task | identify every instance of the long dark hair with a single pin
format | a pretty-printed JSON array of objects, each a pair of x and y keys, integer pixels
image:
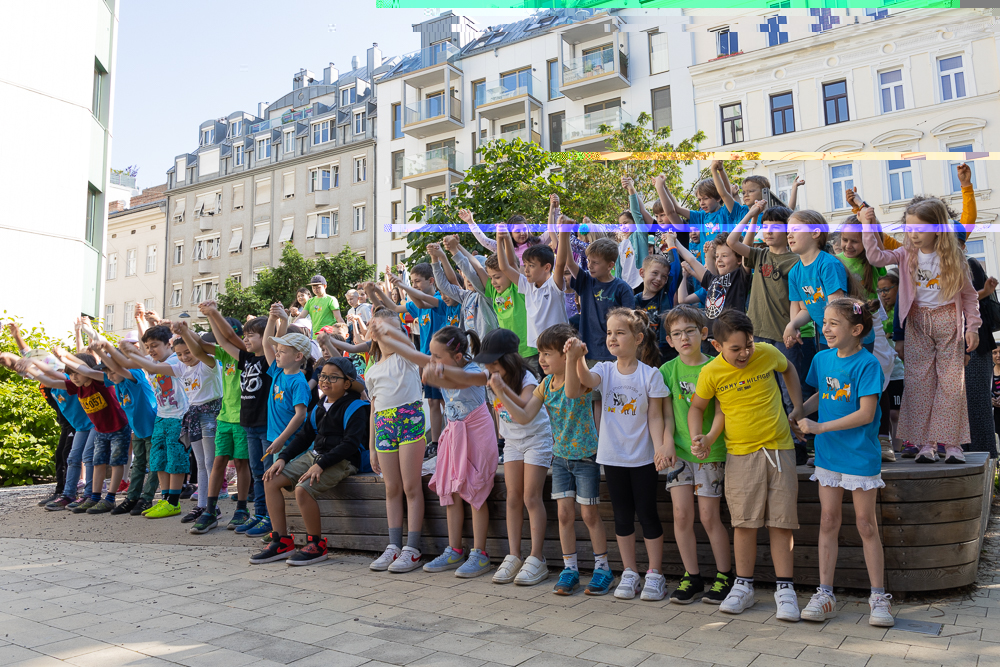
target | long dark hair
[
  {"x": 512, "y": 366},
  {"x": 458, "y": 341}
]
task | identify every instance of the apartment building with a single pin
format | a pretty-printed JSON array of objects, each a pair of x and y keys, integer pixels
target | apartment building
[
  {"x": 301, "y": 169},
  {"x": 553, "y": 78},
  {"x": 903, "y": 80}
]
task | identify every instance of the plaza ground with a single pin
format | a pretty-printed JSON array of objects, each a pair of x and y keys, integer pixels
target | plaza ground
[{"x": 107, "y": 591}]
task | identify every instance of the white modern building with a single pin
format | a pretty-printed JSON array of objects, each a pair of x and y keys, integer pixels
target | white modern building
[{"x": 57, "y": 75}]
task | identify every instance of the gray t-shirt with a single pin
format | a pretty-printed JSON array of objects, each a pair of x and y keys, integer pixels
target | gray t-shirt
[
  {"x": 537, "y": 430},
  {"x": 458, "y": 403},
  {"x": 477, "y": 311}
]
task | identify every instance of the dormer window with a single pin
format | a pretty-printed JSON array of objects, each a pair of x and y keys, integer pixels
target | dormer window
[
  {"x": 348, "y": 96},
  {"x": 208, "y": 137},
  {"x": 235, "y": 128}
]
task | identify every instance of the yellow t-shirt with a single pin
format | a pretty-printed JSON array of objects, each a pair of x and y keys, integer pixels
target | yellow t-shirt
[{"x": 750, "y": 399}]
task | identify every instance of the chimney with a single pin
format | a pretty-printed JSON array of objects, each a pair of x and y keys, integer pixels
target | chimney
[
  {"x": 298, "y": 80},
  {"x": 354, "y": 62},
  {"x": 330, "y": 75},
  {"x": 262, "y": 109},
  {"x": 374, "y": 58}
]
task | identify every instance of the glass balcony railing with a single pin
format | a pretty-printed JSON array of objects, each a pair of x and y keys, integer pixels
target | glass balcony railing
[
  {"x": 523, "y": 134},
  {"x": 284, "y": 118},
  {"x": 589, "y": 124},
  {"x": 593, "y": 64},
  {"x": 431, "y": 108},
  {"x": 438, "y": 159},
  {"x": 513, "y": 85},
  {"x": 122, "y": 180},
  {"x": 436, "y": 54}
]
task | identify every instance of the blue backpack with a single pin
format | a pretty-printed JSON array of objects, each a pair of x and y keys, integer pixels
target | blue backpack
[{"x": 366, "y": 464}]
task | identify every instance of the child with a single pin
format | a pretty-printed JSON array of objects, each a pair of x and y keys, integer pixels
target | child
[
  {"x": 935, "y": 286},
  {"x": 689, "y": 475},
  {"x": 631, "y": 431},
  {"x": 726, "y": 285},
  {"x": 467, "y": 459},
  {"x": 818, "y": 277},
  {"x": 477, "y": 312},
  {"x": 848, "y": 381},
  {"x": 326, "y": 451},
  {"x": 634, "y": 248},
  {"x": 576, "y": 476},
  {"x": 527, "y": 452},
  {"x": 83, "y": 444},
  {"x": 714, "y": 217},
  {"x": 508, "y": 302},
  {"x": 761, "y": 484},
  {"x": 660, "y": 279},
  {"x": 396, "y": 447},
  {"x": 520, "y": 236},
  {"x": 322, "y": 309}
]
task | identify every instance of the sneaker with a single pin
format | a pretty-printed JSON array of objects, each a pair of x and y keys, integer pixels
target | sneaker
[
  {"x": 888, "y": 456},
  {"x": 909, "y": 450},
  {"x": 431, "y": 451},
  {"x": 140, "y": 507},
  {"x": 48, "y": 499},
  {"x": 194, "y": 496},
  {"x": 388, "y": 557},
  {"x": 125, "y": 506},
  {"x": 601, "y": 582},
  {"x": 60, "y": 503},
  {"x": 508, "y": 569},
  {"x": 449, "y": 560},
  {"x": 260, "y": 529},
  {"x": 192, "y": 515},
  {"x": 690, "y": 588},
  {"x": 224, "y": 494},
  {"x": 76, "y": 503},
  {"x": 248, "y": 524},
  {"x": 927, "y": 454},
  {"x": 240, "y": 517},
  {"x": 534, "y": 571},
  {"x": 187, "y": 490},
  {"x": 569, "y": 581},
  {"x": 954, "y": 454},
  {"x": 409, "y": 560},
  {"x": 278, "y": 549},
  {"x": 163, "y": 510},
  {"x": 205, "y": 522},
  {"x": 940, "y": 449},
  {"x": 719, "y": 590},
  {"x": 478, "y": 563},
  {"x": 881, "y": 610},
  {"x": 821, "y": 607},
  {"x": 740, "y": 599},
  {"x": 161, "y": 501},
  {"x": 123, "y": 487},
  {"x": 84, "y": 506},
  {"x": 313, "y": 552},
  {"x": 630, "y": 584},
  {"x": 654, "y": 587},
  {"x": 787, "y": 603},
  {"x": 101, "y": 507}
]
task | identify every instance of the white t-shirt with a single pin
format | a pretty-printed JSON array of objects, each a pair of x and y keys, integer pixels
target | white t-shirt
[
  {"x": 392, "y": 382},
  {"x": 362, "y": 310},
  {"x": 201, "y": 383},
  {"x": 928, "y": 277},
  {"x": 538, "y": 429},
  {"x": 624, "y": 438},
  {"x": 545, "y": 305},
  {"x": 303, "y": 321},
  {"x": 630, "y": 273},
  {"x": 171, "y": 399}
]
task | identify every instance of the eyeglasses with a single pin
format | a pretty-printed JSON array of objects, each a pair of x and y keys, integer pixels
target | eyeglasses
[
  {"x": 885, "y": 290},
  {"x": 331, "y": 378},
  {"x": 687, "y": 333}
]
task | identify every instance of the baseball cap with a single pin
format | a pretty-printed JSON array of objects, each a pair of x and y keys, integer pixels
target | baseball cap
[
  {"x": 296, "y": 340},
  {"x": 345, "y": 366},
  {"x": 496, "y": 344},
  {"x": 132, "y": 336},
  {"x": 235, "y": 324},
  {"x": 318, "y": 280}
]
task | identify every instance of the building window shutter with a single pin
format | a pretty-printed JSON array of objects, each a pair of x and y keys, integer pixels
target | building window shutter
[
  {"x": 237, "y": 197},
  {"x": 288, "y": 185},
  {"x": 236, "y": 243},
  {"x": 179, "y": 209},
  {"x": 261, "y": 234},
  {"x": 263, "y": 194},
  {"x": 311, "y": 227},
  {"x": 287, "y": 227}
]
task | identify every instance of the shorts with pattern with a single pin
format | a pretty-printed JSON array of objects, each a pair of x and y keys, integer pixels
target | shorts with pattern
[
  {"x": 847, "y": 482},
  {"x": 231, "y": 441},
  {"x": 112, "y": 448},
  {"x": 168, "y": 453},
  {"x": 708, "y": 479},
  {"x": 399, "y": 426},
  {"x": 200, "y": 418},
  {"x": 329, "y": 478}
]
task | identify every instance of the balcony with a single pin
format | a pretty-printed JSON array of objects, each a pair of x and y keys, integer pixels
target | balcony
[
  {"x": 123, "y": 180},
  {"x": 323, "y": 197},
  {"x": 433, "y": 168},
  {"x": 595, "y": 74},
  {"x": 583, "y": 133},
  {"x": 287, "y": 117},
  {"x": 205, "y": 223},
  {"x": 523, "y": 134},
  {"x": 204, "y": 266},
  {"x": 426, "y": 67},
  {"x": 513, "y": 95},
  {"x": 432, "y": 116},
  {"x": 324, "y": 245}
]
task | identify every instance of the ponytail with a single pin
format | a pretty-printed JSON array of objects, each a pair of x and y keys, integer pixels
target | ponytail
[{"x": 458, "y": 341}]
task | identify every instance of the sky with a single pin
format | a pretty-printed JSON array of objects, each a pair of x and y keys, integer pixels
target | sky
[{"x": 185, "y": 62}]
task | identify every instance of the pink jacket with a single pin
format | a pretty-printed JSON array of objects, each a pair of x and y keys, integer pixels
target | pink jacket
[{"x": 966, "y": 301}]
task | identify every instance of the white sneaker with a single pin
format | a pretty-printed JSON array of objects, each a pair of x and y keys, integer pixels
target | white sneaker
[
  {"x": 533, "y": 572},
  {"x": 821, "y": 607},
  {"x": 655, "y": 587},
  {"x": 508, "y": 570},
  {"x": 630, "y": 584},
  {"x": 787, "y": 603},
  {"x": 881, "y": 606},
  {"x": 408, "y": 560},
  {"x": 740, "y": 599},
  {"x": 382, "y": 563}
]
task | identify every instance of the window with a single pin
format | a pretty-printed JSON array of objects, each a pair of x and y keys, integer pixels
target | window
[
  {"x": 235, "y": 128},
  {"x": 781, "y": 4},
  {"x": 835, "y": 102},
  {"x": 842, "y": 178},
  {"x": 348, "y": 96},
  {"x": 256, "y": 275},
  {"x": 478, "y": 93},
  {"x": 395, "y": 210},
  {"x": 434, "y": 105},
  {"x": 335, "y": 176},
  {"x": 148, "y": 304},
  {"x": 198, "y": 293},
  {"x": 287, "y": 230},
  {"x": 236, "y": 277},
  {"x": 289, "y": 147},
  {"x": 334, "y": 223},
  {"x": 150, "y": 259},
  {"x": 732, "y": 123},
  {"x": 397, "y": 169},
  {"x": 876, "y": 13},
  {"x": 263, "y": 149},
  {"x": 976, "y": 249},
  {"x": 782, "y": 114},
  {"x": 109, "y": 317},
  {"x": 891, "y": 89},
  {"x": 359, "y": 218},
  {"x": 178, "y": 253},
  {"x": 261, "y": 235},
  {"x": 553, "y": 71},
  {"x": 658, "y": 61},
  {"x": 360, "y": 169},
  {"x": 323, "y": 132},
  {"x": 359, "y": 122},
  {"x": 727, "y": 42},
  {"x": 662, "y": 116},
  {"x": 952, "y": 78},
  {"x": 327, "y": 225},
  {"x": 238, "y": 155},
  {"x": 398, "y": 258},
  {"x": 112, "y": 266},
  {"x": 511, "y": 82},
  {"x": 236, "y": 242},
  {"x": 556, "y": 121},
  {"x": 783, "y": 187},
  {"x": 237, "y": 197},
  {"x": 206, "y": 248},
  {"x": 263, "y": 192},
  {"x": 288, "y": 185},
  {"x": 900, "y": 180},
  {"x": 96, "y": 106},
  {"x": 180, "y": 170},
  {"x": 95, "y": 216},
  {"x": 772, "y": 27},
  {"x": 397, "y": 121},
  {"x": 176, "y": 295},
  {"x": 956, "y": 186},
  {"x": 128, "y": 312},
  {"x": 130, "y": 263},
  {"x": 208, "y": 137}
]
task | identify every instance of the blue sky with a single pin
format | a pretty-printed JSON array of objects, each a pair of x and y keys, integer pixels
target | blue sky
[{"x": 185, "y": 62}]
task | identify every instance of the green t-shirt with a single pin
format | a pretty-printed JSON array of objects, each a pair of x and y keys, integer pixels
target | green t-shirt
[
  {"x": 231, "y": 391},
  {"x": 321, "y": 311},
  {"x": 682, "y": 380},
  {"x": 512, "y": 314},
  {"x": 857, "y": 268}
]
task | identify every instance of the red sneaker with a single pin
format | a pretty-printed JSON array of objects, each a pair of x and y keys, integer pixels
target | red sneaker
[
  {"x": 313, "y": 552},
  {"x": 123, "y": 487}
]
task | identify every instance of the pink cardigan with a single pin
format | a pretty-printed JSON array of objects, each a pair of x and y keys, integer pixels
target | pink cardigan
[{"x": 967, "y": 300}]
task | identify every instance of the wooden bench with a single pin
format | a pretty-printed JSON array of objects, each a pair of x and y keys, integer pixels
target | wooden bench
[{"x": 932, "y": 516}]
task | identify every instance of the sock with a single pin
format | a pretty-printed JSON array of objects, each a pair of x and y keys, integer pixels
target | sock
[
  {"x": 569, "y": 562},
  {"x": 601, "y": 561},
  {"x": 174, "y": 497},
  {"x": 694, "y": 575},
  {"x": 878, "y": 591},
  {"x": 784, "y": 582},
  {"x": 826, "y": 589},
  {"x": 241, "y": 505},
  {"x": 212, "y": 503},
  {"x": 165, "y": 492},
  {"x": 396, "y": 537},
  {"x": 458, "y": 551},
  {"x": 727, "y": 575},
  {"x": 746, "y": 581},
  {"x": 413, "y": 539},
  {"x": 95, "y": 496},
  {"x": 110, "y": 498},
  {"x": 316, "y": 538},
  {"x": 648, "y": 572}
]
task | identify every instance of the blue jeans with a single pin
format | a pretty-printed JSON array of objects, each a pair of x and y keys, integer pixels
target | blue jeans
[
  {"x": 799, "y": 356},
  {"x": 112, "y": 448},
  {"x": 81, "y": 453},
  {"x": 257, "y": 444}
]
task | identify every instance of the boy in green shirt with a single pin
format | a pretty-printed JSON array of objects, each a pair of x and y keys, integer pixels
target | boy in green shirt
[
  {"x": 690, "y": 474},
  {"x": 323, "y": 309}
]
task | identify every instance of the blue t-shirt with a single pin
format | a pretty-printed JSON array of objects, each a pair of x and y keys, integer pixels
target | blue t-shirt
[
  {"x": 811, "y": 285},
  {"x": 720, "y": 220},
  {"x": 841, "y": 382},
  {"x": 135, "y": 395},
  {"x": 429, "y": 320},
  {"x": 287, "y": 391},
  {"x": 71, "y": 409},
  {"x": 453, "y": 316},
  {"x": 596, "y": 299}
]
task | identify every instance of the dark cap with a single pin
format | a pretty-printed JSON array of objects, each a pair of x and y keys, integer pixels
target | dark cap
[
  {"x": 496, "y": 344},
  {"x": 235, "y": 324},
  {"x": 345, "y": 366},
  {"x": 318, "y": 280}
]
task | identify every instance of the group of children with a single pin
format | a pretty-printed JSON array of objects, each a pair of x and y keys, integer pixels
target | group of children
[{"x": 581, "y": 355}]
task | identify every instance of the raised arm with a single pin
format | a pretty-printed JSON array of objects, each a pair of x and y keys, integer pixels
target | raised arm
[
  {"x": 721, "y": 181},
  {"x": 272, "y": 323},
  {"x": 740, "y": 247},
  {"x": 876, "y": 255},
  {"x": 466, "y": 216},
  {"x": 969, "y": 210},
  {"x": 505, "y": 246},
  {"x": 107, "y": 353},
  {"x": 193, "y": 343},
  {"x": 794, "y": 197},
  {"x": 224, "y": 333},
  {"x": 578, "y": 375},
  {"x": 376, "y": 295},
  {"x": 145, "y": 363},
  {"x": 76, "y": 365},
  {"x": 392, "y": 339},
  {"x": 564, "y": 257},
  {"x": 441, "y": 277},
  {"x": 472, "y": 270},
  {"x": 421, "y": 299},
  {"x": 697, "y": 268},
  {"x": 521, "y": 415},
  {"x": 15, "y": 332}
]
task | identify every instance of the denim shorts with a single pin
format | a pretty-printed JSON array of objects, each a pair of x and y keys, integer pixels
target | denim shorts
[
  {"x": 579, "y": 478},
  {"x": 112, "y": 447}
]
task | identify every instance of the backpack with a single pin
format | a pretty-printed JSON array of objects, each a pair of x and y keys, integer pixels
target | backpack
[{"x": 366, "y": 464}]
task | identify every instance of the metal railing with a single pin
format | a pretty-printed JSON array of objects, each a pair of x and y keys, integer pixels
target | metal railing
[{"x": 523, "y": 134}]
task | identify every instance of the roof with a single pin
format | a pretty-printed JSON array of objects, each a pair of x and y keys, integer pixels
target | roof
[
  {"x": 528, "y": 28},
  {"x": 160, "y": 203}
]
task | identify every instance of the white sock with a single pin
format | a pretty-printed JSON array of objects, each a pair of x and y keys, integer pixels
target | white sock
[
  {"x": 569, "y": 562},
  {"x": 601, "y": 561}
]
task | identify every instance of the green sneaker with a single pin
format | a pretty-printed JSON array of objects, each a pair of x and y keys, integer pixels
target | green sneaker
[
  {"x": 206, "y": 522},
  {"x": 163, "y": 510},
  {"x": 101, "y": 507},
  {"x": 161, "y": 501},
  {"x": 240, "y": 517},
  {"x": 84, "y": 506}
]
